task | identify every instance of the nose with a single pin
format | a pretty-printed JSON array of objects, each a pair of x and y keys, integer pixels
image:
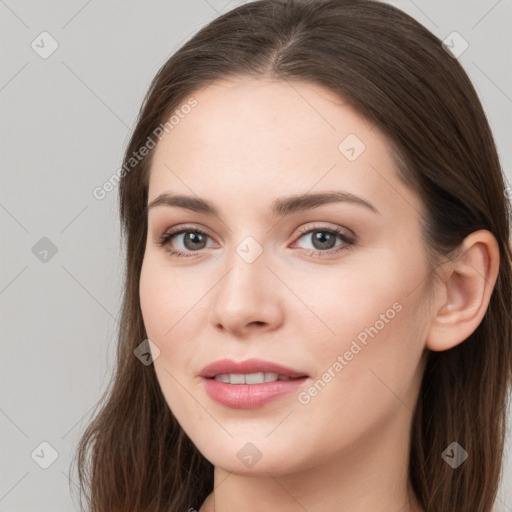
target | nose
[{"x": 248, "y": 298}]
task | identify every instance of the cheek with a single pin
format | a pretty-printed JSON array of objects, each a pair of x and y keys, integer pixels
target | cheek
[
  {"x": 387, "y": 279},
  {"x": 341, "y": 303},
  {"x": 366, "y": 372},
  {"x": 174, "y": 313},
  {"x": 154, "y": 297},
  {"x": 164, "y": 304},
  {"x": 371, "y": 318},
  {"x": 165, "y": 298}
]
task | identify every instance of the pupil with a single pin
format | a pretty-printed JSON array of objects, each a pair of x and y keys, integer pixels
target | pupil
[
  {"x": 193, "y": 237},
  {"x": 323, "y": 238}
]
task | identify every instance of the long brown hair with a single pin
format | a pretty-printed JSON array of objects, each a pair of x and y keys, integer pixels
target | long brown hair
[{"x": 134, "y": 455}]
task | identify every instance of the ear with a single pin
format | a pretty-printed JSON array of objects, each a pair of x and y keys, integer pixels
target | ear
[{"x": 465, "y": 292}]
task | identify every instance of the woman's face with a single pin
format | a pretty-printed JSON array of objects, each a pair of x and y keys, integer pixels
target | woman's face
[{"x": 347, "y": 310}]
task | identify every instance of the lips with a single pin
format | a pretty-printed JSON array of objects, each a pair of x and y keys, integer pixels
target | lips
[
  {"x": 239, "y": 393},
  {"x": 248, "y": 366}
]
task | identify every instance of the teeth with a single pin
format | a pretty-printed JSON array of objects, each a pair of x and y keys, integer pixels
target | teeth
[{"x": 249, "y": 378}]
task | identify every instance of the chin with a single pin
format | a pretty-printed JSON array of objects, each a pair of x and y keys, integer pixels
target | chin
[{"x": 244, "y": 457}]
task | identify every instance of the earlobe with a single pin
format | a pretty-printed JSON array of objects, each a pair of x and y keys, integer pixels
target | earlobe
[{"x": 466, "y": 291}]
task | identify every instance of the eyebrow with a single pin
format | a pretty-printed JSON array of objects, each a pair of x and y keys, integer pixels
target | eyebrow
[{"x": 281, "y": 206}]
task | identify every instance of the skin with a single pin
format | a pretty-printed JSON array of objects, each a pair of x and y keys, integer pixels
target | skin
[{"x": 246, "y": 143}]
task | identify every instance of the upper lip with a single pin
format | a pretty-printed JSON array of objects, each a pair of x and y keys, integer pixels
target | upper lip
[{"x": 248, "y": 366}]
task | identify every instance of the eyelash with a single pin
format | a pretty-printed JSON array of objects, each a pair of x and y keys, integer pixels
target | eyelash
[{"x": 348, "y": 242}]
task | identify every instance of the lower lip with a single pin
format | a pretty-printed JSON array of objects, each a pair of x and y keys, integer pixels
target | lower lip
[{"x": 248, "y": 396}]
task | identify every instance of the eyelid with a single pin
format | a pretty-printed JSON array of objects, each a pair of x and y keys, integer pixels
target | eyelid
[
  {"x": 325, "y": 225},
  {"x": 187, "y": 227},
  {"x": 295, "y": 233}
]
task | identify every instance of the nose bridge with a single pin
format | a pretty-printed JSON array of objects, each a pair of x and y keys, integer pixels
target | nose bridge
[
  {"x": 247, "y": 275},
  {"x": 247, "y": 293}
]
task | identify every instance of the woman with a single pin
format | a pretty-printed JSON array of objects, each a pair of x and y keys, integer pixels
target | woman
[{"x": 340, "y": 336}]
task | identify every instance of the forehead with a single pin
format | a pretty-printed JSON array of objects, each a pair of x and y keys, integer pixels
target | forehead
[
  {"x": 286, "y": 116},
  {"x": 262, "y": 138}
]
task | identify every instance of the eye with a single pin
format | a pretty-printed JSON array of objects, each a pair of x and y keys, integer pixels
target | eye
[
  {"x": 322, "y": 237},
  {"x": 194, "y": 240}
]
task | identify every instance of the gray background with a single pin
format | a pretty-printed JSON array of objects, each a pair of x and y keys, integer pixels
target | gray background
[{"x": 64, "y": 124}]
